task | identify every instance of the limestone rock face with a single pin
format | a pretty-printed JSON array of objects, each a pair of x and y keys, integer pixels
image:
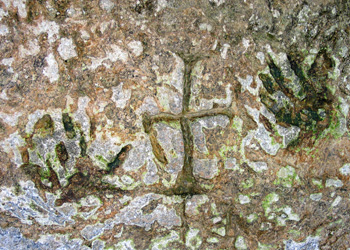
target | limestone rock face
[{"x": 153, "y": 124}]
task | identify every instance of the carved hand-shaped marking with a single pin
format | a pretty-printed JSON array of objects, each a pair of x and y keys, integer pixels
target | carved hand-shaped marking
[
  {"x": 306, "y": 101},
  {"x": 88, "y": 178}
]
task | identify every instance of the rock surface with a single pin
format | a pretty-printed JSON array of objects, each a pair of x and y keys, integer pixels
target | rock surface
[{"x": 153, "y": 124}]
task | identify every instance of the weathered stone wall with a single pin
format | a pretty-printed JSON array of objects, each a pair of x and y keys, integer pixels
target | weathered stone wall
[{"x": 157, "y": 124}]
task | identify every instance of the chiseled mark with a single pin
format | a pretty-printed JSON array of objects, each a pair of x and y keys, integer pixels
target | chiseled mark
[
  {"x": 133, "y": 214},
  {"x": 121, "y": 96},
  {"x": 51, "y": 70},
  {"x": 67, "y": 49},
  {"x": 113, "y": 55}
]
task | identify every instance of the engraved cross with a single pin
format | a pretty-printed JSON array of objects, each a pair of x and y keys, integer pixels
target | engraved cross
[{"x": 185, "y": 182}]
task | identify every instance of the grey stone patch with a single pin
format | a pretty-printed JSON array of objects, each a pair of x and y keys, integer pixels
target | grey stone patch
[
  {"x": 106, "y": 5},
  {"x": 345, "y": 170},
  {"x": 336, "y": 201},
  {"x": 170, "y": 100},
  {"x": 171, "y": 140},
  {"x": 311, "y": 243},
  {"x": 30, "y": 205},
  {"x": 138, "y": 155},
  {"x": 92, "y": 231},
  {"x": 10, "y": 119},
  {"x": 258, "y": 166},
  {"x": 316, "y": 197},
  {"x": 8, "y": 62},
  {"x": 11, "y": 238},
  {"x": 11, "y": 144},
  {"x": 245, "y": 83},
  {"x": 288, "y": 134},
  {"x": 92, "y": 202},
  {"x": 98, "y": 245},
  {"x": 50, "y": 27},
  {"x": 151, "y": 176},
  {"x": 113, "y": 54},
  {"x": 120, "y": 96},
  {"x": 262, "y": 135},
  {"x": 133, "y": 215},
  {"x": 265, "y": 141},
  {"x": 162, "y": 242},
  {"x": 209, "y": 123},
  {"x": 205, "y": 168},
  {"x": 231, "y": 163},
  {"x": 32, "y": 48},
  {"x": 51, "y": 70},
  {"x": 136, "y": 47},
  {"x": 175, "y": 78},
  {"x": 193, "y": 239},
  {"x": 4, "y": 30},
  {"x": 243, "y": 199},
  {"x": 334, "y": 183},
  {"x": 149, "y": 105},
  {"x": 193, "y": 203},
  {"x": 240, "y": 243},
  {"x": 125, "y": 244},
  {"x": 105, "y": 148},
  {"x": 67, "y": 49}
]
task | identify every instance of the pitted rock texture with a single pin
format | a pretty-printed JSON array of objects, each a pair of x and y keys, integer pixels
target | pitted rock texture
[{"x": 153, "y": 124}]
